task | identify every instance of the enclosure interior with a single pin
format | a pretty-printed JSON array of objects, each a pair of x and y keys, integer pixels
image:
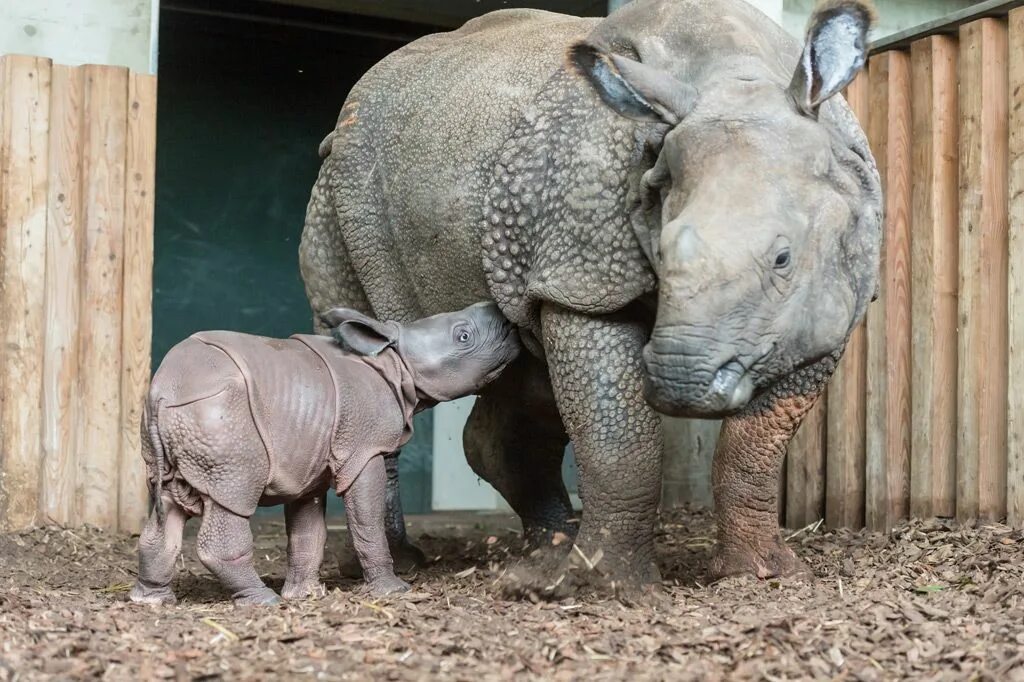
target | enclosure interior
[{"x": 247, "y": 92}]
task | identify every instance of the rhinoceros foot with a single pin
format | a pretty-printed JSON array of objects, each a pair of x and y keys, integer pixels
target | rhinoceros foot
[
  {"x": 407, "y": 557},
  {"x": 773, "y": 559},
  {"x": 551, "y": 575},
  {"x": 152, "y": 596},
  {"x": 263, "y": 596},
  {"x": 309, "y": 589},
  {"x": 385, "y": 585}
]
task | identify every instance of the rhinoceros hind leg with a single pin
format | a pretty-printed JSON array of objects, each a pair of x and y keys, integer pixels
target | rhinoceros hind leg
[
  {"x": 307, "y": 533},
  {"x": 159, "y": 547},
  {"x": 515, "y": 441},
  {"x": 225, "y": 548}
]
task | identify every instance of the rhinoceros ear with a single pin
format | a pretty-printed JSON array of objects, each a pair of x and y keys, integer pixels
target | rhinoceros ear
[
  {"x": 358, "y": 333},
  {"x": 633, "y": 89},
  {"x": 835, "y": 50}
]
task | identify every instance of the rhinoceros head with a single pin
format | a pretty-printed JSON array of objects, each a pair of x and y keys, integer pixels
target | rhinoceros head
[
  {"x": 451, "y": 355},
  {"x": 762, "y": 212}
]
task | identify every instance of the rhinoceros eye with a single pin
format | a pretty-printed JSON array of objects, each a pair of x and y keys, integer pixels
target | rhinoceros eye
[
  {"x": 463, "y": 336},
  {"x": 783, "y": 259}
]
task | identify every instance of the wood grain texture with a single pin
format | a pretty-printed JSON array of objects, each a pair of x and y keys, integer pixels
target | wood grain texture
[
  {"x": 845, "y": 432},
  {"x": 138, "y": 295},
  {"x": 103, "y": 176},
  {"x": 888, "y": 375},
  {"x": 983, "y": 356},
  {"x": 875, "y": 503},
  {"x": 934, "y": 274},
  {"x": 24, "y": 125},
  {"x": 1015, "y": 308},
  {"x": 64, "y": 237},
  {"x": 689, "y": 449},
  {"x": 805, "y": 477},
  {"x": 898, "y": 209}
]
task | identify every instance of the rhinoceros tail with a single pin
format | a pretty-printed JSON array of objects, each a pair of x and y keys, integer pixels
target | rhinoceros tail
[
  {"x": 324, "y": 150},
  {"x": 157, "y": 447}
]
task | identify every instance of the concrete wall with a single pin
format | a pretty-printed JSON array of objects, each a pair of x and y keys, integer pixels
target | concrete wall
[
  {"x": 893, "y": 15},
  {"x": 73, "y": 32}
]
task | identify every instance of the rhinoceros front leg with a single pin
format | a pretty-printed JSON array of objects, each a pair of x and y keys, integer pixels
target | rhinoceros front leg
[
  {"x": 745, "y": 476},
  {"x": 407, "y": 556},
  {"x": 597, "y": 374},
  {"x": 365, "y": 508}
]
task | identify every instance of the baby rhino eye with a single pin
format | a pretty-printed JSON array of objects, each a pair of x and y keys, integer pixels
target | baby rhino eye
[{"x": 463, "y": 336}]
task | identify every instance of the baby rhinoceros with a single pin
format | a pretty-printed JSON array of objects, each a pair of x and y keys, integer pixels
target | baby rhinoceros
[{"x": 235, "y": 421}]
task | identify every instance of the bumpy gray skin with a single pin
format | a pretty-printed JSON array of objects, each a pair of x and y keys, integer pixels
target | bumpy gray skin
[
  {"x": 676, "y": 220},
  {"x": 235, "y": 421}
]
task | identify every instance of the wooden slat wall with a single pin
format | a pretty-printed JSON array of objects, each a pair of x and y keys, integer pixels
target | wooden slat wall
[
  {"x": 846, "y": 428},
  {"x": 1015, "y": 402},
  {"x": 76, "y": 196},
  {"x": 929, "y": 419},
  {"x": 934, "y": 260},
  {"x": 981, "y": 450}
]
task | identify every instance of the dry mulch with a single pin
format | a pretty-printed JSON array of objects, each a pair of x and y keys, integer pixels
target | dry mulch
[{"x": 931, "y": 600}]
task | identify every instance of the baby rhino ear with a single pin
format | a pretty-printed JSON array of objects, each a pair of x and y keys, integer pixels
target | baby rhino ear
[{"x": 359, "y": 333}]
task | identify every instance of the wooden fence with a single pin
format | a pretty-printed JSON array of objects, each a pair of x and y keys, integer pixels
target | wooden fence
[
  {"x": 77, "y": 152},
  {"x": 925, "y": 416}
]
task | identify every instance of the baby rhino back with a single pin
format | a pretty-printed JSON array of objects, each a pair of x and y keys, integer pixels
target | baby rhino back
[
  {"x": 244, "y": 419},
  {"x": 292, "y": 398}
]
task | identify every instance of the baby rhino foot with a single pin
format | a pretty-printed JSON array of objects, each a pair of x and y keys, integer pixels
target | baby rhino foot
[
  {"x": 259, "y": 596},
  {"x": 407, "y": 557},
  {"x": 153, "y": 596},
  {"x": 310, "y": 588},
  {"x": 386, "y": 584}
]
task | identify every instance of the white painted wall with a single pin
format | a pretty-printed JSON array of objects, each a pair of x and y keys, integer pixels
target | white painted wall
[
  {"x": 893, "y": 15},
  {"x": 773, "y": 8},
  {"x": 73, "y": 32},
  {"x": 455, "y": 486}
]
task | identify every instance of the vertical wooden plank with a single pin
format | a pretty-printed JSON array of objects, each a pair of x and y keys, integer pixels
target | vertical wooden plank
[
  {"x": 805, "y": 478},
  {"x": 138, "y": 295},
  {"x": 686, "y": 470},
  {"x": 934, "y": 271},
  {"x": 794, "y": 479},
  {"x": 99, "y": 422},
  {"x": 888, "y": 375},
  {"x": 1015, "y": 398},
  {"x": 875, "y": 503},
  {"x": 63, "y": 258},
  {"x": 24, "y": 124},
  {"x": 844, "y": 504},
  {"x": 981, "y": 447}
]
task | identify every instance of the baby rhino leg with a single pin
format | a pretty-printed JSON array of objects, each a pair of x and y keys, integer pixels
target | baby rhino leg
[
  {"x": 365, "y": 508},
  {"x": 225, "y": 548},
  {"x": 159, "y": 547},
  {"x": 307, "y": 533}
]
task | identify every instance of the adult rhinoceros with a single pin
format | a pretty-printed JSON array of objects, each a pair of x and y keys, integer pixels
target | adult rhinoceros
[{"x": 676, "y": 220}]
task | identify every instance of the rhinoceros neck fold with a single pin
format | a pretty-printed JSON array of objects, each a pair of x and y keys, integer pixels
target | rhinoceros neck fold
[{"x": 393, "y": 370}]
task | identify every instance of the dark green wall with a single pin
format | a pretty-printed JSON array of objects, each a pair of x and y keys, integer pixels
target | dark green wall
[{"x": 243, "y": 106}]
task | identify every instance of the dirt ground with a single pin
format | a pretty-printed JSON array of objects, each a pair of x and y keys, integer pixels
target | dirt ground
[{"x": 928, "y": 601}]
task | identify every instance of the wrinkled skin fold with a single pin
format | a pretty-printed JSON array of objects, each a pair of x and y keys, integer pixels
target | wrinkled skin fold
[{"x": 673, "y": 204}]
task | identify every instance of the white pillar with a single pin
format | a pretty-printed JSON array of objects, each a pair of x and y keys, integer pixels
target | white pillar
[{"x": 74, "y": 32}]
